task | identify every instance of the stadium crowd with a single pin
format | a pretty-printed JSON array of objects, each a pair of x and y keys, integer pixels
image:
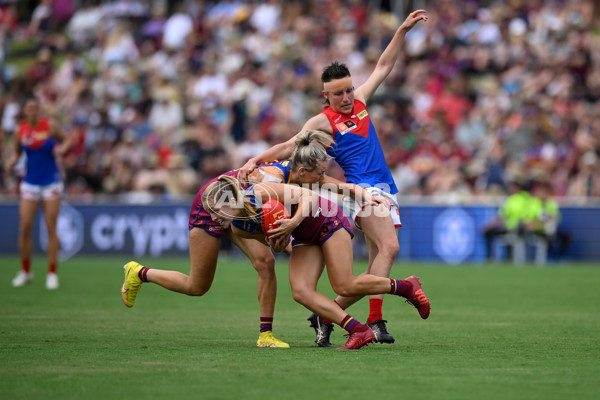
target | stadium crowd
[{"x": 161, "y": 97}]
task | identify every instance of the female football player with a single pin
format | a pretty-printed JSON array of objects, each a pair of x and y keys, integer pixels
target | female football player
[
  {"x": 321, "y": 237},
  {"x": 305, "y": 167}
]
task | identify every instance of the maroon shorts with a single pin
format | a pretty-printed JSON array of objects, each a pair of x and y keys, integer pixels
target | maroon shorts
[
  {"x": 199, "y": 218},
  {"x": 316, "y": 229}
]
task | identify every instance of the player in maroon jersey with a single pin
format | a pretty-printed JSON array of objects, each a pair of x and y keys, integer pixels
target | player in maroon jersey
[
  {"x": 358, "y": 151},
  {"x": 307, "y": 165},
  {"x": 321, "y": 237}
]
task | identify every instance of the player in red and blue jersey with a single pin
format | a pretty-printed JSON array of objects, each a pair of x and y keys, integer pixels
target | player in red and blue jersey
[
  {"x": 321, "y": 237},
  {"x": 42, "y": 140},
  {"x": 358, "y": 151}
]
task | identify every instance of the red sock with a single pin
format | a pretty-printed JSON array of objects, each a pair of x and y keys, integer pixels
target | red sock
[
  {"x": 52, "y": 268},
  {"x": 26, "y": 265},
  {"x": 375, "y": 310},
  {"x": 328, "y": 321}
]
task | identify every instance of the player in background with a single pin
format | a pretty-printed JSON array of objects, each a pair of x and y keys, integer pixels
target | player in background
[
  {"x": 42, "y": 140},
  {"x": 307, "y": 166},
  {"x": 358, "y": 152},
  {"x": 321, "y": 237}
]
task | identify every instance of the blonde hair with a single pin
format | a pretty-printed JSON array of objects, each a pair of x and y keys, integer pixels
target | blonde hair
[
  {"x": 310, "y": 149},
  {"x": 226, "y": 188}
]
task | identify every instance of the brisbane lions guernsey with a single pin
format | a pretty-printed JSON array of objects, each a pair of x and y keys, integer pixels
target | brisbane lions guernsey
[
  {"x": 357, "y": 149},
  {"x": 38, "y": 144}
]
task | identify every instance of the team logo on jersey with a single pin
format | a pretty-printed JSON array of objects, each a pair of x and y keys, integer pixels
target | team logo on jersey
[
  {"x": 362, "y": 114},
  {"x": 346, "y": 126}
]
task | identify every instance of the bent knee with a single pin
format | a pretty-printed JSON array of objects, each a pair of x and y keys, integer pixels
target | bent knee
[
  {"x": 345, "y": 290},
  {"x": 197, "y": 291},
  {"x": 264, "y": 265},
  {"x": 302, "y": 295}
]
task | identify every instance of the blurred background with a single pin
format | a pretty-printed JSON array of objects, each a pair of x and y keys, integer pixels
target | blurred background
[{"x": 162, "y": 96}]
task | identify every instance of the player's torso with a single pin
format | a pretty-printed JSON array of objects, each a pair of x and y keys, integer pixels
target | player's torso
[
  {"x": 38, "y": 144},
  {"x": 357, "y": 149},
  {"x": 36, "y": 138}
]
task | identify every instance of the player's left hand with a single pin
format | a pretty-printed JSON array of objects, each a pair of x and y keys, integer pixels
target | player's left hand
[{"x": 413, "y": 18}]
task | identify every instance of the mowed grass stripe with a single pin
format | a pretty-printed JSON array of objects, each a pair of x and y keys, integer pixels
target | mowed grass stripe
[{"x": 495, "y": 332}]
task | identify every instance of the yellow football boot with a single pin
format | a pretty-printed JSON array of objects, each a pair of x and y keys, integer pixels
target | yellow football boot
[
  {"x": 266, "y": 339},
  {"x": 132, "y": 284}
]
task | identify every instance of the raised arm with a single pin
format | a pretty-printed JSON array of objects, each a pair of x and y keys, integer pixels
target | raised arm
[
  {"x": 388, "y": 58},
  {"x": 59, "y": 134}
]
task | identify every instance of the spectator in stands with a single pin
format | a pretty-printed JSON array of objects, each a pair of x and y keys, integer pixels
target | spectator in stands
[{"x": 524, "y": 75}]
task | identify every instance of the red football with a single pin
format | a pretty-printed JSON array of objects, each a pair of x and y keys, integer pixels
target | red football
[{"x": 272, "y": 211}]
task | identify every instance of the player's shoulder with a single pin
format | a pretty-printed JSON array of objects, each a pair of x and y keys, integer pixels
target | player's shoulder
[{"x": 319, "y": 122}]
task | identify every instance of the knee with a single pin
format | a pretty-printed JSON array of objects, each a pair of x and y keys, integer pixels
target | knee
[
  {"x": 265, "y": 265},
  {"x": 301, "y": 295},
  {"x": 197, "y": 290},
  {"x": 343, "y": 289},
  {"x": 389, "y": 249}
]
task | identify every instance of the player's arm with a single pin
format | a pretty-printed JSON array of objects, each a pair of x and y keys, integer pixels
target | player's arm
[
  {"x": 357, "y": 192},
  {"x": 306, "y": 200},
  {"x": 65, "y": 141},
  {"x": 388, "y": 58},
  {"x": 284, "y": 150},
  {"x": 12, "y": 161}
]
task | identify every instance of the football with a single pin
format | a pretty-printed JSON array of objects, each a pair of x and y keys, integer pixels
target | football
[{"x": 272, "y": 211}]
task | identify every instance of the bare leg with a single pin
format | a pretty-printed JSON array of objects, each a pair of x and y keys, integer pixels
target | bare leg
[
  {"x": 306, "y": 266},
  {"x": 337, "y": 251},
  {"x": 204, "y": 250},
  {"x": 382, "y": 242},
  {"x": 263, "y": 261},
  {"x": 51, "y": 210},
  {"x": 27, "y": 211}
]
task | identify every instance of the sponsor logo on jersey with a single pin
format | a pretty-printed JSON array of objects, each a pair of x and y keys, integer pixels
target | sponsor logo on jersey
[
  {"x": 346, "y": 126},
  {"x": 362, "y": 114}
]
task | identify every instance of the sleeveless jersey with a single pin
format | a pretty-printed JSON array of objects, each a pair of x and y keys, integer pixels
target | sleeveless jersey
[
  {"x": 314, "y": 229},
  {"x": 38, "y": 144},
  {"x": 284, "y": 166},
  {"x": 199, "y": 218},
  {"x": 357, "y": 149}
]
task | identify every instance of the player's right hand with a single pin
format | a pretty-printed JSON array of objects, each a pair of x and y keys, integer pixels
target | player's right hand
[{"x": 245, "y": 170}]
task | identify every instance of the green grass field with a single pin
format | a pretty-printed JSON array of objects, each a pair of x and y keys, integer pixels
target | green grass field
[{"x": 495, "y": 332}]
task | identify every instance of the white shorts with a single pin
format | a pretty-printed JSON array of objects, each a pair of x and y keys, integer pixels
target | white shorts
[
  {"x": 354, "y": 208},
  {"x": 52, "y": 191}
]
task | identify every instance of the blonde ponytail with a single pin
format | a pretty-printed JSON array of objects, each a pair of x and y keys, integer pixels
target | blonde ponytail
[
  {"x": 227, "y": 187},
  {"x": 310, "y": 149}
]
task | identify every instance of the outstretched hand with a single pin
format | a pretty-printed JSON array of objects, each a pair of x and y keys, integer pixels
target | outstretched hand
[{"x": 413, "y": 18}]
